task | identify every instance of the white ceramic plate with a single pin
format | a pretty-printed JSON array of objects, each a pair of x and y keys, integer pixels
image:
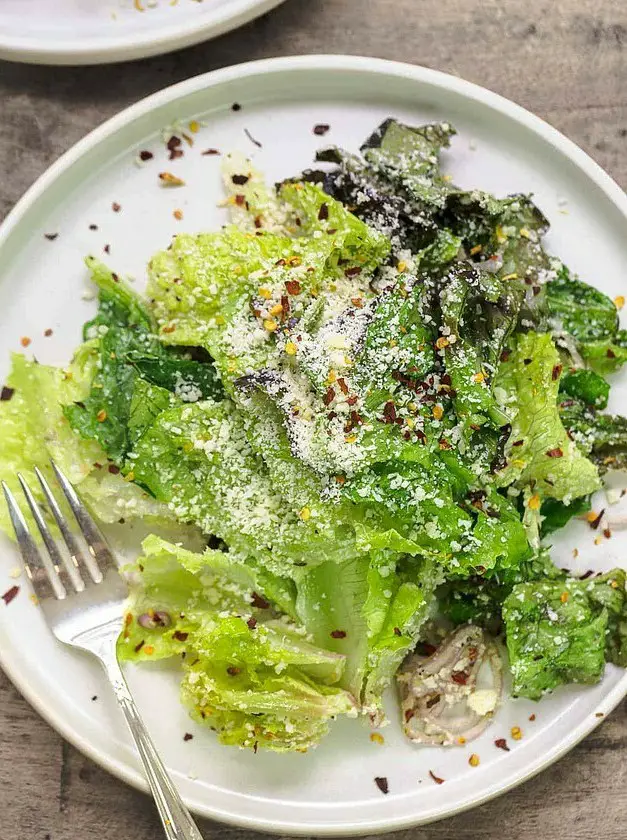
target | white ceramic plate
[
  {"x": 500, "y": 147},
  {"x": 101, "y": 31}
]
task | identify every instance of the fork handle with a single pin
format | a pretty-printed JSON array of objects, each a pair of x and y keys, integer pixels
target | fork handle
[{"x": 177, "y": 821}]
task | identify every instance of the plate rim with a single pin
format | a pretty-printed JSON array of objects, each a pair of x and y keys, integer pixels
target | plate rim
[
  {"x": 369, "y": 66},
  {"x": 25, "y": 50}
]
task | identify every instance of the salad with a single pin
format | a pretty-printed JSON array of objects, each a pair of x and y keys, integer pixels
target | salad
[{"x": 375, "y": 395}]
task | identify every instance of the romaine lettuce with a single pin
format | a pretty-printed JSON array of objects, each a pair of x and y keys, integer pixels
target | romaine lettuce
[
  {"x": 250, "y": 674},
  {"x": 539, "y": 452}
]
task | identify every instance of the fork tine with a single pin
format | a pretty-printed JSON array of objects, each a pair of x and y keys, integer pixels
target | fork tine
[
  {"x": 62, "y": 567},
  {"x": 76, "y": 553},
  {"x": 92, "y": 533},
  {"x": 39, "y": 568}
]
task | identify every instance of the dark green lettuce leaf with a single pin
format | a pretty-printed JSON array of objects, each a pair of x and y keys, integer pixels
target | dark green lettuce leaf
[
  {"x": 602, "y": 437},
  {"x": 129, "y": 349},
  {"x": 563, "y": 631},
  {"x": 479, "y": 312},
  {"x": 587, "y": 386},
  {"x": 580, "y": 310},
  {"x": 555, "y": 514},
  {"x": 409, "y": 158}
]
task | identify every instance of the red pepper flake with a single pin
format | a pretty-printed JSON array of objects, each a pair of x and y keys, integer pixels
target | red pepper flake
[
  {"x": 145, "y": 155},
  {"x": 236, "y": 107},
  {"x": 444, "y": 444},
  {"x": 505, "y": 354},
  {"x": 188, "y": 736},
  {"x": 51, "y": 236},
  {"x": 409, "y": 713},
  {"x": 501, "y": 743},
  {"x": 240, "y": 180},
  {"x": 233, "y": 670},
  {"x": 211, "y": 152},
  {"x": 293, "y": 287},
  {"x": 258, "y": 222},
  {"x": 116, "y": 207},
  {"x": 556, "y": 372},
  {"x": 435, "y": 778},
  {"x": 252, "y": 139},
  {"x": 397, "y": 631},
  {"x": 353, "y": 272},
  {"x": 425, "y": 649},
  {"x": 240, "y": 200},
  {"x": 173, "y": 147},
  {"x": 532, "y": 718},
  {"x": 342, "y": 385},
  {"x": 338, "y": 634},
  {"x": 180, "y": 636},
  {"x": 113, "y": 469},
  {"x": 555, "y": 453},
  {"x": 48, "y": 332},
  {"x": 6, "y": 393},
  {"x": 518, "y": 443},
  {"x": 25, "y": 341},
  {"x": 389, "y": 412},
  {"x": 382, "y": 783},
  {"x": 107, "y": 249},
  {"x": 251, "y": 623},
  {"x": 459, "y": 677},
  {"x": 594, "y": 523},
  {"x": 352, "y": 400},
  {"x": 607, "y": 533},
  {"x": 321, "y": 129},
  {"x": 10, "y": 594},
  {"x": 329, "y": 396},
  {"x": 610, "y": 353},
  {"x": 259, "y": 601},
  {"x": 139, "y": 646},
  {"x": 323, "y": 212}
]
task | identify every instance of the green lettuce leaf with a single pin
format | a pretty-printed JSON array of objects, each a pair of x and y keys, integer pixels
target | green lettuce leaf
[
  {"x": 409, "y": 158},
  {"x": 478, "y": 313},
  {"x": 128, "y": 349},
  {"x": 370, "y": 610},
  {"x": 587, "y": 386},
  {"x": 539, "y": 452},
  {"x": 601, "y": 437},
  {"x": 249, "y": 674},
  {"x": 197, "y": 459},
  {"x": 33, "y": 429},
  {"x": 578, "y": 312},
  {"x": 562, "y": 631}
]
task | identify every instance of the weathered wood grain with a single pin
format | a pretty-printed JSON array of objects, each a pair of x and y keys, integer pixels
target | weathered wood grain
[{"x": 564, "y": 60}]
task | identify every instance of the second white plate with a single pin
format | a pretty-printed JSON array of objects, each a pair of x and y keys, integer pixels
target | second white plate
[
  {"x": 500, "y": 147},
  {"x": 101, "y": 31}
]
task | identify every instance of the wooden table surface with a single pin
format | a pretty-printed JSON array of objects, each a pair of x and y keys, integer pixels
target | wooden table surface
[{"x": 565, "y": 60}]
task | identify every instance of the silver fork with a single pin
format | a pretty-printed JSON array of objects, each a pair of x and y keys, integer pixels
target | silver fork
[{"x": 82, "y": 596}]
